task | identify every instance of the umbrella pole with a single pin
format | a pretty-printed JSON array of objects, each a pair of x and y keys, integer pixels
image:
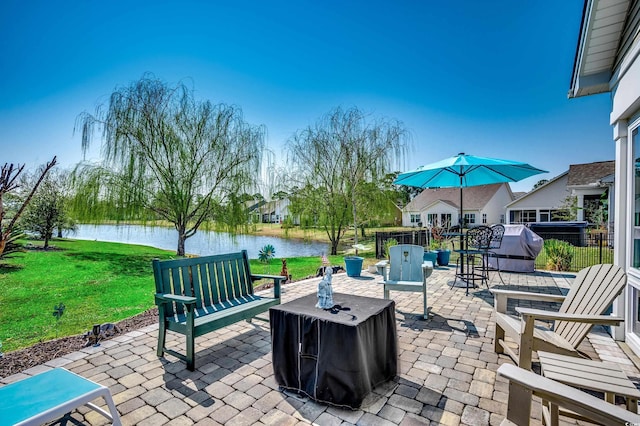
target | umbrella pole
[
  {"x": 462, "y": 245},
  {"x": 461, "y": 224}
]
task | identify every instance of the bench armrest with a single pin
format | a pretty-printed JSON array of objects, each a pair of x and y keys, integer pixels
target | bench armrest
[
  {"x": 167, "y": 297},
  {"x": 264, "y": 276},
  {"x": 277, "y": 280},
  {"x": 559, "y": 316}
]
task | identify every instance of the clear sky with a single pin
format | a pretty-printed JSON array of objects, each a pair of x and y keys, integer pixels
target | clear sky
[{"x": 488, "y": 78}]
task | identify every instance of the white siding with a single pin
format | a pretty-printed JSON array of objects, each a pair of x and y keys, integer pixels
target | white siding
[
  {"x": 496, "y": 207},
  {"x": 549, "y": 197}
]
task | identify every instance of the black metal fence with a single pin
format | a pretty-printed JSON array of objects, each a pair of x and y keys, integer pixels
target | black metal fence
[
  {"x": 588, "y": 248},
  {"x": 419, "y": 238}
]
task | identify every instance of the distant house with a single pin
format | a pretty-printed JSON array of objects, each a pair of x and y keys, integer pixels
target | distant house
[
  {"x": 276, "y": 211},
  {"x": 441, "y": 206},
  {"x": 589, "y": 183}
]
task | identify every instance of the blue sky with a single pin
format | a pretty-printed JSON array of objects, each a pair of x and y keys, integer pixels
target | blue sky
[{"x": 488, "y": 78}]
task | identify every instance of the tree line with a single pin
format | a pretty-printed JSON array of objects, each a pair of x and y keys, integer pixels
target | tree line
[{"x": 167, "y": 155}]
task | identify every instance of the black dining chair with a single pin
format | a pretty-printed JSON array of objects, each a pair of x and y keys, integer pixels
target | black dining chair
[
  {"x": 497, "y": 233},
  {"x": 476, "y": 244}
]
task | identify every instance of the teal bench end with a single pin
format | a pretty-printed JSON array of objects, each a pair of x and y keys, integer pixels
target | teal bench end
[
  {"x": 50, "y": 395},
  {"x": 201, "y": 294}
]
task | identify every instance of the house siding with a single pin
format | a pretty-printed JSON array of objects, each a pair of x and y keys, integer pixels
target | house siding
[
  {"x": 496, "y": 207},
  {"x": 551, "y": 196},
  {"x": 630, "y": 35},
  {"x": 488, "y": 199},
  {"x": 624, "y": 86}
]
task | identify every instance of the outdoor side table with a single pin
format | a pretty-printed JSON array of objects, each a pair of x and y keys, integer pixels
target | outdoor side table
[
  {"x": 338, "y": 356},
  {"x": 599, "y": 376}
]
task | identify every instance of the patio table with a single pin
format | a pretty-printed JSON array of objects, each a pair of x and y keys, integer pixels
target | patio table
[{"x": 334, "y": 356}]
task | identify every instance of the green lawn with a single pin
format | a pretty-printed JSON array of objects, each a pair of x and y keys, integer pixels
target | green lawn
[{"x": 98, "y": 282}]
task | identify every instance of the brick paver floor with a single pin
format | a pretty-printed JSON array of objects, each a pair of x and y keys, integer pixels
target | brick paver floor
[{"x": 447, "y": 369}]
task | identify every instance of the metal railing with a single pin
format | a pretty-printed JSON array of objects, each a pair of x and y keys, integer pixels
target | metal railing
[
  {"x": 420, "y": 237},
  {"x": 587, "y": 248}
]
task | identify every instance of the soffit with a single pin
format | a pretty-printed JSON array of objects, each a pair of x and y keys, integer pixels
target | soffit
[{"x": 600, "y": 34}]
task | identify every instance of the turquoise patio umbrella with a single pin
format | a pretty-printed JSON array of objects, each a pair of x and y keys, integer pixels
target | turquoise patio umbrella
[{"x": 462, "y": 170}]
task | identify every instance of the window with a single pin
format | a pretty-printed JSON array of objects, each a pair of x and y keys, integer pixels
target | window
[
  {"x": 415, "y": 218},
  {"x": 522, "y": 216},
  {"x": 528, "y": 216},
  {"x": 445, "y": 219},
  {"x": 470, "y": 218},
  {"x": 501, "y": 218},
  {"x": 484, "y": 218},
  {"x": 432, "y": 218},
  {"x": 545, "y": 215}
]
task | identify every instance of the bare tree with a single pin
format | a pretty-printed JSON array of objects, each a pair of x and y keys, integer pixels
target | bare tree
[
  {"x": 334, "y": 160},
  {"x": 166, "y": 153},
  {"x": 9, "y": 175}
]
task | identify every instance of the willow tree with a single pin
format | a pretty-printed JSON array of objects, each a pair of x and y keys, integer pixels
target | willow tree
[
  {"x": 337, "y": 157},
  {"x": 166, "y": 154}
]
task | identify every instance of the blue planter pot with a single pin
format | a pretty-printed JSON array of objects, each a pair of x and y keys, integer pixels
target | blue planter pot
[
  {"x": 443, "y": 257},
  {"x": 353, "y": 265},
  {"x": 431, "y": 256}
]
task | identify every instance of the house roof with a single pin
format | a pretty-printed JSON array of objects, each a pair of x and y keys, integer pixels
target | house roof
[
  {"x": 474, "y": 197},
  {"x": 591, "y": 173},
  {"x": 597, "y": 173},
  {"x": 601, "y": 32}
]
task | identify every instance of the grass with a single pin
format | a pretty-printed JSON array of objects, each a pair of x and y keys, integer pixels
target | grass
[{"x": 98, "y": 282}]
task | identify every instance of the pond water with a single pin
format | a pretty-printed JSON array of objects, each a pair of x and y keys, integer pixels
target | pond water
[{"x": 202, "y": 243}]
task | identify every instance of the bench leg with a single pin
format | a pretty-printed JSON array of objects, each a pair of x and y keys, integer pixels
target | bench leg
[
  {"x": 191, "y": 356},
  {"x": 162, "y": 335},
  {"x": 386, "y": 292}
]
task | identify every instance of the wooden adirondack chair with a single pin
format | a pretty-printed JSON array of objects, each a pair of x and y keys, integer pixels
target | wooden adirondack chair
[
  {"x": 592, "y": 292},
  {"x": 523, "y": 384},
  {"x": 407, "y": 272}
]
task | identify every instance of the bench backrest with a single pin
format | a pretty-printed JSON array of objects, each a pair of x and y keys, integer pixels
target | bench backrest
[{"x": 211, "y": 280}]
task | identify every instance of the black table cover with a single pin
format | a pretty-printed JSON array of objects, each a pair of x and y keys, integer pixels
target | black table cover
[{"x": 338, "y": 356}]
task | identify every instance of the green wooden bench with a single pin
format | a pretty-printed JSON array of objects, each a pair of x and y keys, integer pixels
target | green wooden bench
[{"x": 198, "y": 295}]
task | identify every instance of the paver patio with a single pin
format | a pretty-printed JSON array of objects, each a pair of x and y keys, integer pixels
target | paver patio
[{"x": 447, "y": 366}]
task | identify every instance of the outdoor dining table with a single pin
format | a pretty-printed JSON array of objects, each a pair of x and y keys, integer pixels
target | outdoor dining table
[{"x": 334, "y": 356}]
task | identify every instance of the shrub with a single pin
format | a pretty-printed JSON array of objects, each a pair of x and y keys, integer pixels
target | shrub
[
  {"x": 388, "y": 244},
  {"x": 559, "y": 255},
  {"x": 265, "y": 255}
]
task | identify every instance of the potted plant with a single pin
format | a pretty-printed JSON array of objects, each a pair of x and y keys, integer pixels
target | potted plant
[
  {"x": 353, "y": 263},
  {"x": 442, "y": 243},
  {"x": 431, "y": 252}
]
